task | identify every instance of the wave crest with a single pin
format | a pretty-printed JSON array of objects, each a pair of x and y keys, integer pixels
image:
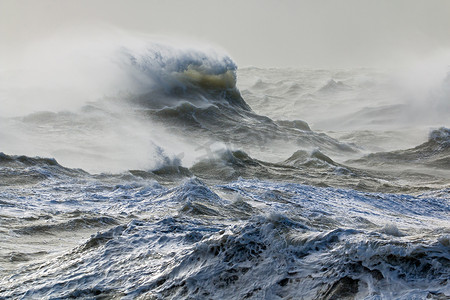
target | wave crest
[
  {"x": 440, "y": 136},
  {"x": 175, "y": 68}
]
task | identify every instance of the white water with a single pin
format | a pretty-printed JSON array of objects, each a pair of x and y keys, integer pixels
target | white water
[
  {"x": 168, "y": 235},
  {"x": 258, "y": 238}
]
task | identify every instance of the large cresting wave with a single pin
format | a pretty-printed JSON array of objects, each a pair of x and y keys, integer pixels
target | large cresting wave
[{"x": 135, "y": 169}]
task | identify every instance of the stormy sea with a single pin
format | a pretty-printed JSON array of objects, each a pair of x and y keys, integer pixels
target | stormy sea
[{"x": 150, "y": 170}]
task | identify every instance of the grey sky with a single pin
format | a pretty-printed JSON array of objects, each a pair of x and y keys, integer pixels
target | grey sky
[{"x": 260, "y": 33}]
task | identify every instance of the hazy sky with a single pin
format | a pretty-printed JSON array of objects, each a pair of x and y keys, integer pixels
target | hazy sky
[{"x": 315, "y": 33}]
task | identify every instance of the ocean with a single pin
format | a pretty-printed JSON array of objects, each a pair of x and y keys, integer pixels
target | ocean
[{"x": 167, "y": 172}]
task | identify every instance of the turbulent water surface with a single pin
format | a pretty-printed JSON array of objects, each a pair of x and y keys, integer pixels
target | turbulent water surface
[{"x": 200, "y": 181}]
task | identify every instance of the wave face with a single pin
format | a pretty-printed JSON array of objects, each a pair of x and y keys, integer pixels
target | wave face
[
  {"x": 258, "y": 239},
  {"x": 191, "y": 179},
  {"x": 435, "y": 153}
]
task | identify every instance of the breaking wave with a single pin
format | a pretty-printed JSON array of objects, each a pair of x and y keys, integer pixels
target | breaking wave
[{"x": 177, "y": 184}]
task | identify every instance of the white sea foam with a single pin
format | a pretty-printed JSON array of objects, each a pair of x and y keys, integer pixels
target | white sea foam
[
  {"x": 188, "y": 241},
  {"x": 153, "y": 115}
]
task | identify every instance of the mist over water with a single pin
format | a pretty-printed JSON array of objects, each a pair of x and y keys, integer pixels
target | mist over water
[
  {"x": 398, "y": 107},
  {"x": 142, "y": 167},
  {"x": 69, "y": 98}
]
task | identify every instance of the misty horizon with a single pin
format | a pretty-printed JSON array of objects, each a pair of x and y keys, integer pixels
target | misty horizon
[{"x": 316, "y": 34}]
